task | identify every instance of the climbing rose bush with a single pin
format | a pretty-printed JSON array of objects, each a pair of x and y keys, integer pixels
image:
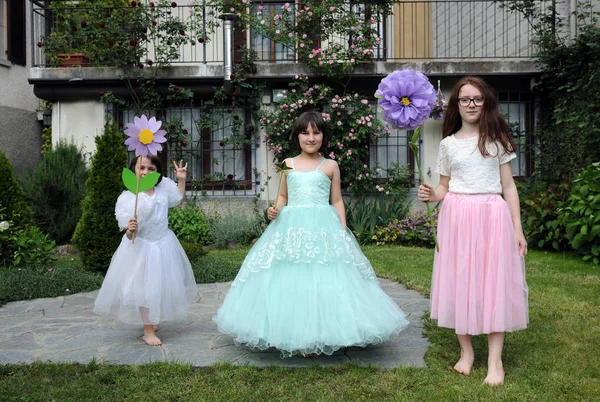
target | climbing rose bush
[{"x": 353, "y": 128}]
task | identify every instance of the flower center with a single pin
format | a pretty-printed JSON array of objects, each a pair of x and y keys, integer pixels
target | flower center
[
  {"x": 405, "y": 101},
  {"x": 146, "y": 136}
]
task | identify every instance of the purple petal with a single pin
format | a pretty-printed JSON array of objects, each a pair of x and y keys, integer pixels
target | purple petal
[
  {"x": 159, "y": 136},
  {"x": 132, "y": 130},
  {"x": 154, "y": 125},
  {"x": 141, "y": 150},
  {"x": 131, "y": 141},
  {"x": 143, "y": 121},
  {"x": 154, "y": 148}
]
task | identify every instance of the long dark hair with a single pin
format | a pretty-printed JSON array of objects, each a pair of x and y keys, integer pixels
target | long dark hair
[
  {"x": 155, "y": 160},
  {"x": 492, "y": 126},
  {"x": 312, "y": 119}
]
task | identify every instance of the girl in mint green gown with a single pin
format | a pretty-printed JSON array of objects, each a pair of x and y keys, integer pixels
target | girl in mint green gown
[{"x": 305, "y": 287}]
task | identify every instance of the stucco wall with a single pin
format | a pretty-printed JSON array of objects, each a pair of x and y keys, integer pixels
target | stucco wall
[
  {"x": 78, "y": 122},
  {"x": 20, "y": 131},
  {"x": 20, "y": 138}
]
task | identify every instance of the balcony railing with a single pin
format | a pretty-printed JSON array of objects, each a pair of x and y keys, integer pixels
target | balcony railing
[{"x": 417, "y": 30}]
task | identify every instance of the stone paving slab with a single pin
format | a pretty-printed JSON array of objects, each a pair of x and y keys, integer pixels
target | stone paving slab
[{"x": 65, "y": 329}]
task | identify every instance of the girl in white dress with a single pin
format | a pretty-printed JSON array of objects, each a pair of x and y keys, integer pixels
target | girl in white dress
[{"x": 149, "y": 280}]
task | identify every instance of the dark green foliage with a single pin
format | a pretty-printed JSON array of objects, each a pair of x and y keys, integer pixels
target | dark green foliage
[
  {"x": 193, "y": 250},
  {"x": 97, "y": 235},
  {"x": 237, "y": 228},
  {"x": 213, "y": 268},
  {"x": 541, "y": 205},
  {"x": 8, "y": 230},
  {"x": 581, "y": 217},
  {"x": 13, "y": 210},
  {"x": 569, "y": 123},
  {"x": 363, "y": 215},
  {"x": 190, "y": 224},
  {"x": 32, "y": 247},
  {"x": 61, "y": 278},
  {"x": 11, "y": 195},
  {"x": 55, "y": 190}
]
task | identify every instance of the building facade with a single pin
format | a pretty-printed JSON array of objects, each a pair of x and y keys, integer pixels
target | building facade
[{"x": 445, "y": 40}]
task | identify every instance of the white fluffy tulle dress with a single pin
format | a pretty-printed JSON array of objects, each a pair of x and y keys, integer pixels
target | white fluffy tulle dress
[
  {"x": 306, "y": 287},
  {"x": 154, "y": 272}
]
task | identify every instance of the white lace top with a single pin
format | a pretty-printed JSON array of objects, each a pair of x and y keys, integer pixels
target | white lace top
[
  {"x": 153, "y": 210},
  {"x": 470, "y": 172}
]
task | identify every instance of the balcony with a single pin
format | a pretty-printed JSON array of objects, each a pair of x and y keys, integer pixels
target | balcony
[{"x": 438, "y": 37}]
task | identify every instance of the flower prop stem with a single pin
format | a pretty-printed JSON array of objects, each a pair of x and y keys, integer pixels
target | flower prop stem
[
  {"x": 414, "y": 146},
  {"x": 137, "y": 191}
]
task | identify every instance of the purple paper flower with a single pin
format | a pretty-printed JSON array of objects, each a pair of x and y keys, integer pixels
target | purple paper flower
[
  {"x": 145, "y": 136},
  {"x": 406, "y": 98}
]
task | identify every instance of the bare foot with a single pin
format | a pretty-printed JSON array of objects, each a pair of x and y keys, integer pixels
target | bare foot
[
  {"x": 495, "y": 375},
  {"x": 152, "y": 340},
  {"x": 155, "y": 328},
  {"x": 463, "y": 366}
]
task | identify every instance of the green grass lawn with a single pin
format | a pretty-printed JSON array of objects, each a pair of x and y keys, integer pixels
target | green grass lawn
[{"x": 556, "y": 359}]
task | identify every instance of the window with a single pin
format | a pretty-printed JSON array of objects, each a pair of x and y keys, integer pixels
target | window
[
  {"x": 518, "y": 111},
  {"x": 12, "y": 31},
  {"x": 267, "y": 49},
  {"x": 216, "y": 164}
]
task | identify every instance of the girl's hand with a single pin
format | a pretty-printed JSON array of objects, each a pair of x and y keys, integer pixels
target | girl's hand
[
  {"x": 521, "y": 243},
  {"x": 181, "y": 170},
  {"x": 272, "y": 213},
  {"x": 132, "y": 227},
  {"x": 424, "y": 192}
]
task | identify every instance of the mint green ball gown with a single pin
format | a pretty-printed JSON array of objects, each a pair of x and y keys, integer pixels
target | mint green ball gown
[{"x": 305, "y": 287}]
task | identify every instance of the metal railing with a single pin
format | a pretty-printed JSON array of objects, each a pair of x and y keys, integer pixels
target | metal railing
[{"x": 417, "y": 30}]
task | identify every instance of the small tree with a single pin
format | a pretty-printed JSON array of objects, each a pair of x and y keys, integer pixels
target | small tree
[
  {"x": 55, "y": 190},
  {"x": 97, "y": 234},
  {"x": 14, "y": 211},
  {"x": 11, "y": 194}
]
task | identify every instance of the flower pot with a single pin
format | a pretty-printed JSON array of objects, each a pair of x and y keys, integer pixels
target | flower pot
[{"x": 73, "y": 59}]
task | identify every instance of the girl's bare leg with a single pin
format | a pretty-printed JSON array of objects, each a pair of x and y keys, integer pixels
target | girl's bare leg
[
  {"x": 495, "y": 374},
  {"x": 467, "y": 355}
]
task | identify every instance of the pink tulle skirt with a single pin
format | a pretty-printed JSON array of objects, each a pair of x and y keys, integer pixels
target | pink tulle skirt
[{"x": 478, "y": 284}]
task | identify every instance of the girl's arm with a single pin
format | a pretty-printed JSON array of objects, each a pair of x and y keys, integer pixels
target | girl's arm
[
  {"x": 427, "y": 193},
  {"x": 336, "y": 194},
  {"x": 511, "y": 196},
  {"x": 281, "y": 200}
]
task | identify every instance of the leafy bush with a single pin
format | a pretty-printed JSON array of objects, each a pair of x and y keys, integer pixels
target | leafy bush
[
  {"x": 33, "y": 282},
  {"x": 193, "y": 250},
  {"x": 32, "y": 247},
  {"x": 14, "y": 211},
  {"x": 414, "y": 230},
  {"x": 237, "y": 228},
  {"x": 364, "y": 215},
  {"x": 11, "y": 195},
  {"x": 190, "y": 224},
  {"x": 55, "y": 190},
  {"x": 8, "y": 230},
  {"x": 581, "y": 217},
  {"x": 212, "y": 268},
  {"x": 97, "y": 234},
  {"x": 541, "y": 203}
]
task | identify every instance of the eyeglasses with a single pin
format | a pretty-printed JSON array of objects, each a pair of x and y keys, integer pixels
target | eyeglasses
[{"x": 465, "y": 102}]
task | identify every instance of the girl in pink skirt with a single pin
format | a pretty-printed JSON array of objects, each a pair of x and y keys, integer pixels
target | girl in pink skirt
[{"x": 478, "y": 284}]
